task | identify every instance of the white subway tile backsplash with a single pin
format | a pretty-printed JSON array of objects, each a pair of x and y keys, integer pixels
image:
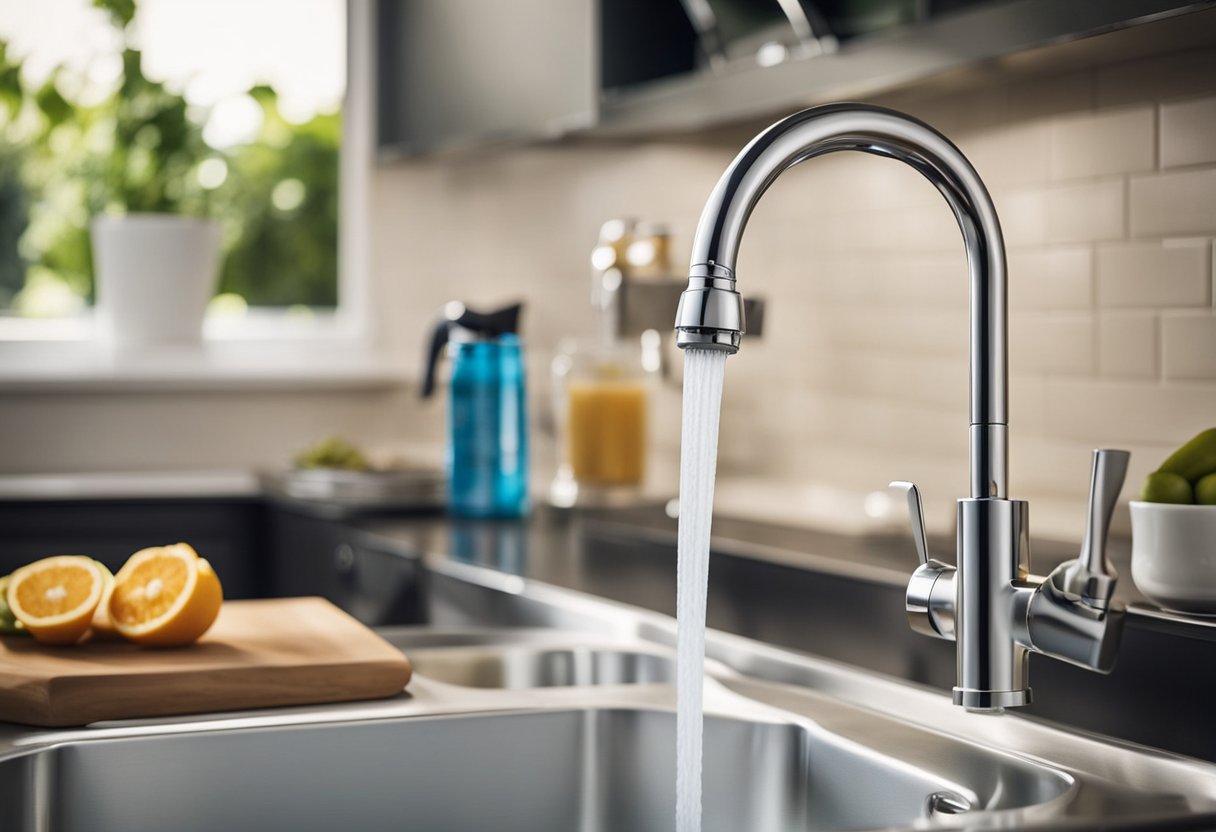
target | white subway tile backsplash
[
  {"x": 1188, "y": 132},
  {"x": 1127, "y": 344},
  {"x": 1060, "y": 277},
  {"x": 1114, "y": 411},
  {"x": 1085, "y": 212},
  {"x": 1189, "y": 346},
  {"x": 1153, "y": 274},
  {"x": 929, "y": 380},
  {"x": 1023, "y": 215},
  {"x": 1103, "y": 143},
  {"x": 1052, "y": 343},
  {"x": 1011, "y": 154},
  {"x": 1178, "y": 202},
  {"x": 911, "y": 331}
]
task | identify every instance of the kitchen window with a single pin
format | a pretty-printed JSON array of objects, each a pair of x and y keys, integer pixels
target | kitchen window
[{"x": 232, "y": 109}]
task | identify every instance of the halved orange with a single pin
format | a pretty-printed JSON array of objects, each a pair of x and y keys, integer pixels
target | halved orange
[
  {"x": 103, "y": 627},
  {"x": 55, "y": 597},
  {"x": 165, "y": 596}
]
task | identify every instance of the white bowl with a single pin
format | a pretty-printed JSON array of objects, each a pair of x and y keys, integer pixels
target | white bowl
[{"x": 1174, "y": 555}]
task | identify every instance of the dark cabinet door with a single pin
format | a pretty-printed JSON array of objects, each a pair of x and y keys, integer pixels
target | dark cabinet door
[
  {"x": 226, "y": 532},
  {"x": 311, "y": 555}
]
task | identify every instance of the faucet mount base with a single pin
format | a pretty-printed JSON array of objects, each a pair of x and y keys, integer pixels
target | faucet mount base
[{"x": 991, "y": 700}]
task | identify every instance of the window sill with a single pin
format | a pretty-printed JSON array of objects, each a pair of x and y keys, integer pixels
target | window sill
[
  {"x": 265, "y": 352},
  {"x": 87, "y": 368},
  {"x": 211, "y": 367}
]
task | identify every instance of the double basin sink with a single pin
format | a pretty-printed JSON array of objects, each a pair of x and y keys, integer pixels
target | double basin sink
[{"x": 535, "y": 708}]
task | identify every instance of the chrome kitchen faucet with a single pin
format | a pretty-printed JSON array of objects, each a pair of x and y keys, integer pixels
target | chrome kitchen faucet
[{"x": 989, "y": 603}]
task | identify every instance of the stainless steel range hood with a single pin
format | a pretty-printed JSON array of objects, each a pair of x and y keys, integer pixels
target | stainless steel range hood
[{"x": 867, "y": 65}]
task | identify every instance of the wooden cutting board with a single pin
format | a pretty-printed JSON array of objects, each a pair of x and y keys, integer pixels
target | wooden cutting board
[{"x": 258, "y": 654}]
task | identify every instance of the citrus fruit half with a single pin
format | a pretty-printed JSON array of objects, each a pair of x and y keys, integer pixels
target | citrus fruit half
[
  {"x": 103, "y": 627},
  {"x": 55, "y": 598},
  {"x": 165, "y": 596}
]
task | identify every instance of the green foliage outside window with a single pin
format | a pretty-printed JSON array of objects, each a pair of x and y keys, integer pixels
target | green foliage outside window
[{"x": 142, "y": 150}]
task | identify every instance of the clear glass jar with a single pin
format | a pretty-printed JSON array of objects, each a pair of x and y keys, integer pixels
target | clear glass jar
[{"x": 602, "y": 401}]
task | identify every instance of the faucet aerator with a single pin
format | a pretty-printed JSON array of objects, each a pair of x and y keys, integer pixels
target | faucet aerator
[{"x": 710, "y": 314}]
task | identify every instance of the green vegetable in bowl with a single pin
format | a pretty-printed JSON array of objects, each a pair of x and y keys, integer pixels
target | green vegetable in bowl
[
  {"x": 1205, "y": 491},
  {"x": 1194, "y": 460},
  {"x": 334, "y": 452},
  {"x": 1164, "y": 487},
  {"x": 1187, "y": 476}
]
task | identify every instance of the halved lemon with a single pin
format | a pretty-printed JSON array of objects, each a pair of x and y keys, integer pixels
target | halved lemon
[
  {"x": 55, "y": 598},
  {"x": 165, "y": 596}
]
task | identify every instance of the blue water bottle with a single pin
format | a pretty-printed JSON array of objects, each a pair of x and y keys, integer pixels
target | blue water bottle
[{"x": 487, "y": 451}]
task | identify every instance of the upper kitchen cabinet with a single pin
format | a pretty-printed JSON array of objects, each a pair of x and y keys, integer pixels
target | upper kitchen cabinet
[
  {"x": 460, "y": 73},
  {"x": 456, "y": 74}
]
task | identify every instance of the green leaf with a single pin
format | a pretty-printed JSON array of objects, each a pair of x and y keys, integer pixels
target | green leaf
[
  {"x": 132, "y": 73},
  {"x": 122, "y": 12},
  {"x": 54, "y": 106},
  {"x": 11, "y": 92}
]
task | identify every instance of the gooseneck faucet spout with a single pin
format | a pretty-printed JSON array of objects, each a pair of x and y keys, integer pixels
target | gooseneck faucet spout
[
  {"x": 988, "y": 603},
  {"x": 710, "y": 311}
]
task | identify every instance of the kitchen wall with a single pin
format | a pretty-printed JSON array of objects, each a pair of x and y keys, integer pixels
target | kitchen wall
[
  {"x": 1106, "y": 185},
  {"x": 1105, "y": 181}
]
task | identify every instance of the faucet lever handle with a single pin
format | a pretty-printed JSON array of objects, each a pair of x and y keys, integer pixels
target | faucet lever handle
[
  {"x": 916, "y": 516},
  {"x": 1092, "y": 577},
  {"x": 1106, "y": 481},
  {"x": 932, "y": 596}
]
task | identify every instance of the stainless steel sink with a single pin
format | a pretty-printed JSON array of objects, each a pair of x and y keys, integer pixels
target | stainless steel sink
[
  {"x": 542, "y": 668},
  {"x": 520, "y": 659},
  {"x": 590, "y": 769},
  {"x": 542, "y": 709}
]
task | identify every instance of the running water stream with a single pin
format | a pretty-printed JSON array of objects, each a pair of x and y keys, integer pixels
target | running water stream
[{"x": 703, "y": 371}]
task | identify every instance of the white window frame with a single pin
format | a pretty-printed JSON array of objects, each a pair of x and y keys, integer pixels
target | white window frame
[{"x": 338, "y": 349}]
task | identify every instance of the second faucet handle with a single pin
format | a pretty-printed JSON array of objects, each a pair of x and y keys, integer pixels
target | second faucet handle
[
  {"x": 916, "y": 516},
  {"x": 1092, "y": 577}
]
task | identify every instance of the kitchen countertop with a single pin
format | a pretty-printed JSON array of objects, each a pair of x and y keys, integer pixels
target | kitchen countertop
[{"x": 552, "y": 546}]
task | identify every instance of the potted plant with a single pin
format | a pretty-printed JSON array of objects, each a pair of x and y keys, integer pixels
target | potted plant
[{"x": 155, "y": 254}]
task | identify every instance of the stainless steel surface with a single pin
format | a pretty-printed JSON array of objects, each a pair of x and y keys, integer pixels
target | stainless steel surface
[
  {"x": 1047, "y": 36},
  {"x": 930, "y": 600},
  {"x": 993, "y": 545},
  {"x": 1071, "y": 613},
  {"x": 791, "y": 742},
  {"x": 916, "y": 519},
  {"x": 1091, "y": 578},
  {"x": 710, "y": 313},
  {"x": 711, "y": 306},
  {"x": 516, "y": 669},
  {"x": 985, "y": 602},
  {"x": 604, "y": 767},
  {"x": 636, "y": 304}
]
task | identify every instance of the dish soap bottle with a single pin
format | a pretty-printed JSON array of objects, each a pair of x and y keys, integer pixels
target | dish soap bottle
[{"x": 487, "y": 442}]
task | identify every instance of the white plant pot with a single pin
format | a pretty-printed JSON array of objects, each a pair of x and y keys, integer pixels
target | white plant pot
[{"x": 155, "y": 275}]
